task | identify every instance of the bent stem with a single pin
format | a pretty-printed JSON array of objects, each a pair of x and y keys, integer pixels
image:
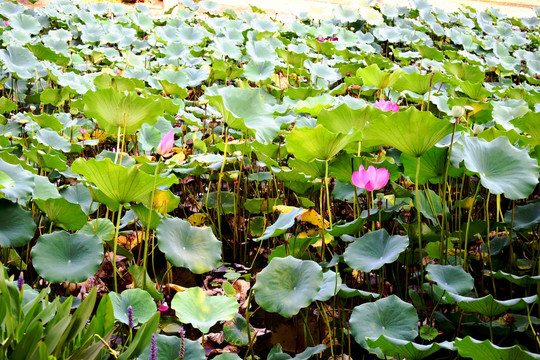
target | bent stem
[
  {"x": 115, "y": 247},
  {"x": 147, "y": 236},
  {"x": 419, "y": 224}
]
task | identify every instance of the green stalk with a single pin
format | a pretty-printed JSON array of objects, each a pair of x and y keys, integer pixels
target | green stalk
[
  {"x": 115, "y": 270},
  {"x": 419, "y": 224},
  {"x": 444, "y": 237},
  {"x": 467, "y": 229},
  {"x": 147, "y": 236},
  {"x": 329, "y": 207},
  {"x": 218, "y": 200}
]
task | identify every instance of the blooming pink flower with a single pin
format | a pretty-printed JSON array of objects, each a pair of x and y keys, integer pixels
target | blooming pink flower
[
  {"x": 166, "y": 144},
  {"x": 371, "y": 179},
  {"x": 384, "y": 105}
]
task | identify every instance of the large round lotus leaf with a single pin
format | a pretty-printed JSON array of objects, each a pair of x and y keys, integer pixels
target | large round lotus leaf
[
  {"x": 390, "y": 316},
  {"x": 451, "y": 278},
  {"x": 374, "y": 249},
  {"x": 114, "y": 109},
  {"x": 287, "y": 285},
  {"x": 244, "y": 109},
  {"x": 19, "y": 60},
  {"x": 489, "y": 306},
  {"x": 258, "y": 70},
  {"x": 193, "y": 306},
  {"x": 235, "y": 331},
  {"x": 22, "y": 185},
  {"x": 486, "y": 350},
  {"x": 413, "y": 132},
  {"x": 188, "y": 246},
  {"x": 308, "y": 144},
  {"x": 373, "y": 76},
  {"x": 330, "y": 287},
  {"x": 61, "y": 256},
  {"x": 343, "y": 118},
  {"x": 398, "y": 348},
  {"x": 17, "y": 226},
  {"x": 61, "y": 212},
  {"x": 525, "y": 217},
  {"x": 141, "y": 301},
  {"x": 169, "y": 348},
  {"x": 119, "y": 183},
  {"x": 502, "y": 167}
]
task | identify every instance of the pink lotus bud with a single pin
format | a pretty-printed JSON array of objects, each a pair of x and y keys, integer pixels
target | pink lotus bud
[
  {"x": 335, "y": 38},
  {"x": 321, "y": 39},
  {"x": 371, "y": 179},
  {"x": 163, "y": 309},
  {"x": 83, "y": 131},
  {"x": 166, "y": 144},
  {"x": 384, "y": 105},
  {"x": 6, "y": 22}
]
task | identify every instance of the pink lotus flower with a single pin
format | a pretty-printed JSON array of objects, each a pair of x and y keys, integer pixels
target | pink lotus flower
[
  {"x": 163, "y": 309},
  {"x": 335, "y": 38},
  {"x": 166, "y": 144},
  {"x": 6, "y": 22},
  {"x": 371, "y": 179},
  {"x": 384, "y": 105},
  {"x": 321, "y": 39}
]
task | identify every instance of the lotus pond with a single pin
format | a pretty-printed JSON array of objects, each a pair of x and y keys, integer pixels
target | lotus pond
[{"x": 229, "y": 186}]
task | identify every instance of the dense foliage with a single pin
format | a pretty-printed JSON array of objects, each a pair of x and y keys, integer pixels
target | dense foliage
[{"x": 364, "y": 185}]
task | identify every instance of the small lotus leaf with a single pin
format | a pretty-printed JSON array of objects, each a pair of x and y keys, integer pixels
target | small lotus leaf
[
  {"x": 236, "y": 331},
  {"x": 374, "y": 249},
  {"x": 407, "y": 349},
  {"x": 287, "y": 285},
  {"x": 61, "y": 212},
  {"x": 390, "y": 316},
  {"x": 526, "y": 217},
  {"x": 17, "y": 226},
  {"x": 193, "y": 306},
  {"x": 188, "y": 246},
  {"x": 142, "y": 303},
  {"x": 451, "y": 278},
  {"x": 60, "y": 256},
  {"x": 169, "y": 348}
]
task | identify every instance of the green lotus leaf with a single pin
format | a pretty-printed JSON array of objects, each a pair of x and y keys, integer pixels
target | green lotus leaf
[
  {"x": 169, "y": 348},
  {"x": 282, "y": 224},
  {"x": 529, "y": 123},
  {"x": 60, "y": 256},
  {"x": 373, "y": 76},
  {"x": 505, "y": 111},
  {"x": 114, "y": 110},
  {"x": 465, "y": 72},
  {"x": 417, "y": 83},
  {"x": 79, "y": 194},
  {"x": 25, "y": 23},
  {"x": 308, "y": 144},
  {"x": 19, "y": 60},
  {"x": 523, "y": 281},
  {"x": 287, "y": 285},
  {"x": 407, "y": 349},
  {"x": 23, "y": 179},
  {"x": 44, "y": 189},
  {"x": 475, "y": 91},
  {"x": 374, "y": 249},
  {"x": 236, "y": 331},
  {"x": 413, "y": 132},
  {"x": 430, "y": 205},
  {"x": 121, "y": 184},
  {"x": 330, "y": 287},
  {"x": 314, "y": 105},
  {"x": 188, "y": 246},
  {"x": 502, "y": 167},
  {"x": 432, "y": 166},
  {"x": 6, "y": 181},
  {"x": 276, "y": 353},
  {"x": 17, "y": 226},
  {"x": 102, "y": 228},
  {"x": 489, "y": 306},
  {"x": 244, "y": 109},
  {"x": 342, "y": 119},
  {"x": 526, "y": 217},
  {"x": 61, "y": 212},
  {"x": 258, "y": 71},
  {"x": 391, "y": 317},
  {"x": 228, "y": 356},
  {"x": 45, "y": 53},
  {"x": 193, "y": 306},
  {"x": 486, "y": 350},
  {"x": 142, "y": 303},
  {"x": 451, "y": 278}
]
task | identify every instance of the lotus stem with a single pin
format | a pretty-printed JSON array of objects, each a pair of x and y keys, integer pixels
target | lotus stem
[
  {"x": 466, "y": 248},
  {"x": 419, "y": 229},
  {"x": 147, "y": 236},
  {"x": 329, "y": 207},
  {"x": 115, "y": 246},
  {"x": 444, "y": 238}
]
